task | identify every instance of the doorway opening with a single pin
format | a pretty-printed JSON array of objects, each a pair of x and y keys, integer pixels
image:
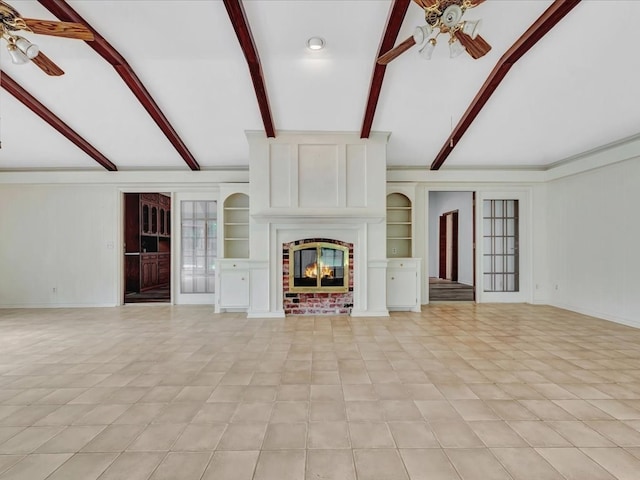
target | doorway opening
[
  {"x": 451, "y": 246},
  {"x": 147, "y": 247}
]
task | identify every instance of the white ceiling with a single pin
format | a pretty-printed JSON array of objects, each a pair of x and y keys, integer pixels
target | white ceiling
[{"x": 577, "y": 89}]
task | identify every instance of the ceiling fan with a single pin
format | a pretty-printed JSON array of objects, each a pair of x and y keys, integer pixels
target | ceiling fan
[
  {"x": 443, "y": 16},
  {"x": 22, "y": 50}
]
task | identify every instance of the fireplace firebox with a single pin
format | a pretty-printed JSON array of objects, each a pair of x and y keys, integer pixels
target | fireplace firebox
[{"x": 318, "y": 267}]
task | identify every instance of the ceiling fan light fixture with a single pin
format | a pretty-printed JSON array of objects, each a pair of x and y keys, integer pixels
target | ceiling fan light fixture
[
  {"x": 17, "y": 56},
  {"x": 471, "y": 27},
  {"x": 443, "y": 17},
  {"x": 31, "y": 50},
  {"x": 421, "y": 34},
  {"x": 426, "y": 51},
  {"x": 455, "y": 48},
  {"x": 315, "y": 43}
]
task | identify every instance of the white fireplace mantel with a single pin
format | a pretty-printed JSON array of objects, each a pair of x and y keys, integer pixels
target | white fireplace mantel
[{"x": 318, "y": 185}]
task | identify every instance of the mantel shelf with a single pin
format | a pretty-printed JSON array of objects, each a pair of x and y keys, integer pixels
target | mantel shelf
[{"x": 300, "y": 217}]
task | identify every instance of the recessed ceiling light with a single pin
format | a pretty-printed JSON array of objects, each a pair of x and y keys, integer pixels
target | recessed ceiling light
[{"x": 315, "y": 43}]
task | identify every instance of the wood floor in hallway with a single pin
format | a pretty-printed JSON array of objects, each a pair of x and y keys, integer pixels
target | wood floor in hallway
[{"x": 441, "y": 290}]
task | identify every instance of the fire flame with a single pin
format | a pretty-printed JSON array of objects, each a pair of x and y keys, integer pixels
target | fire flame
[{"x": 311, "y": 271}]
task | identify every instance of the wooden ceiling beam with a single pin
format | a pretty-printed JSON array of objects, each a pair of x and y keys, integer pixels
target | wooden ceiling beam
[
  {"x": 238, "y": 18},
  {"x": 534, "y": 33},
  {"x": 64, "y": 12},
  {"x": 394, "y": 22},
  {"x": 15, "y": 89}
]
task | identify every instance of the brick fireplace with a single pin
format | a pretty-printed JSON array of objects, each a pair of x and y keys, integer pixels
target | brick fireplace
[{"x": 318, "y": 300}]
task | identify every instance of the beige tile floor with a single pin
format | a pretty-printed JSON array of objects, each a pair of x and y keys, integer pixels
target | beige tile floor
[{"x": 471, "y": 392}]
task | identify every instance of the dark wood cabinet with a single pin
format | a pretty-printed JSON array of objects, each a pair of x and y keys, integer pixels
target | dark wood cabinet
[{"x": 147, "y": 248}]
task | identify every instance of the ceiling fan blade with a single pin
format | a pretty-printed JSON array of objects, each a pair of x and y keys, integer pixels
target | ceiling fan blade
[
  {"x": 45, "y": 64},
  {"x": 427, "y": 3},
  {"x": 59, "y": 29},
  {"x": 396, "y": 51},
  {"x": 476, "y": 47}
]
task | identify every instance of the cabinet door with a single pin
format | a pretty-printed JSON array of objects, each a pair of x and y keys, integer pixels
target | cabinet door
[
  {"x": 234, "y": 288},
  {"x": 164, "y": 269},
  {"x": 401, "y": 288},
  {"x": 154, "y": 273},
  {"x": 146, "y": 274},
  {"x": 149, "y": 267}
]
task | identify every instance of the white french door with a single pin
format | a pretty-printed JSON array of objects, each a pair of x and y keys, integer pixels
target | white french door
[
  {"x": 196, "y": 249},
  {"x": 503, "y": 248}
]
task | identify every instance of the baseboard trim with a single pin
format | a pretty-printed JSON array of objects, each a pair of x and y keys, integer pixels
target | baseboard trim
[
  {"x": 602, "y": 316},
  {"x": 60, "y": 305}
]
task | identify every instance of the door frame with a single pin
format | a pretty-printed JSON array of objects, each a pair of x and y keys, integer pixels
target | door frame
[
  {"x": 432, "y": 250},
  {"x": 525, "y": 294},
  {"x": 120, "y": 270}
]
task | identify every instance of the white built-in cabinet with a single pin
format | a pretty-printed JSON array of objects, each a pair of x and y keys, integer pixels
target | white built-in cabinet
[
  {"x": 234, "y": 284},
  {"x": 234, "y": 272},
  {"x": 403, "y": 271},
  {"x": 403, "y": 284}
]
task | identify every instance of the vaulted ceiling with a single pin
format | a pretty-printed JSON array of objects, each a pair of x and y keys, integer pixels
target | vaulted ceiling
[{"x": 172, "y": 84}]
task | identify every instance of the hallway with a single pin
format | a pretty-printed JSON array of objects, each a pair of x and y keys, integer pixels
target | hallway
[{"x": 441, "y": 290}]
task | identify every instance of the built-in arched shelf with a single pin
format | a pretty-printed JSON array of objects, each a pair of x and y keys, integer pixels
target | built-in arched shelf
[
  {"x": 399, "y": 226},
  {"x": 236, "y": 226}
]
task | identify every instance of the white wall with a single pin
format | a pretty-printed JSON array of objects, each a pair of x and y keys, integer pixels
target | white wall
[
  {"x": 541, "y": 284},
  {"x": 62, "y": 237},
  {"x": 594, "y": 242},
  {"x": 442, "y": 202},
  {"x": 56, "y": 229}
]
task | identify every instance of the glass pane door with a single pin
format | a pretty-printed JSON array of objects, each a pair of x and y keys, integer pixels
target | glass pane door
[
  {"x": 198, "y": 246},
  {"x": 500, "y": 259}
]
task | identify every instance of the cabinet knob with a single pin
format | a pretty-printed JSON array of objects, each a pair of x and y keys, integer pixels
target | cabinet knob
[
  {"x": 242, "y": 278},
  {"x": 234, "y": 265},
  {"x": 402, "y": 264},
  {"x": 393, "y": 278}
]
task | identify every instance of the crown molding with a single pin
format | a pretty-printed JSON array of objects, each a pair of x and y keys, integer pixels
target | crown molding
[{"x": 602, "y": 156}]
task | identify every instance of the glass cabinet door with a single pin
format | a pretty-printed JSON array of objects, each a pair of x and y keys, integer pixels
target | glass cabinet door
[
  {"x": 145, "y": 218},
  {"x": 154, "y": 220},
  {"x": 162, "y": 222}
]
